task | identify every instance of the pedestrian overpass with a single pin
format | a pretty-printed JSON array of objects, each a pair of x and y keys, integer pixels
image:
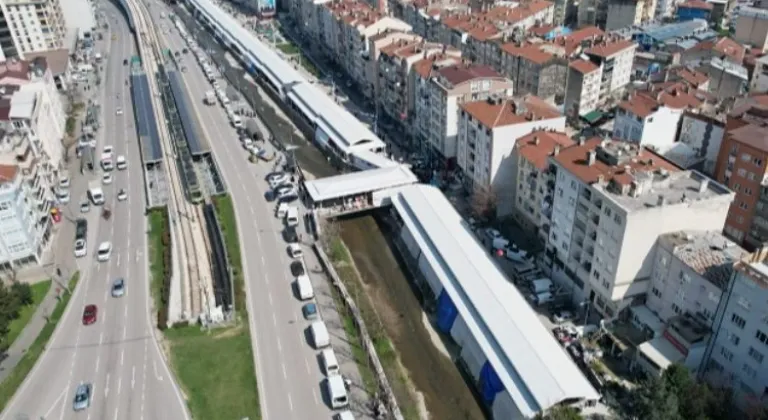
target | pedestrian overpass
[{"x": 357, "y": 191}]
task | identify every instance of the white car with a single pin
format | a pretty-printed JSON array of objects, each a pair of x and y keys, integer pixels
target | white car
[
  {"x": 122, "y": 195},
  {"x": 104, "y": 252},
  {"x": 294, "y": 250},
  {"x": 275, "y": 180},
  {"x": 119, "y": 111},
  {"x": 121, "y": 163},
  {"x": 62, "y": 196},
  {"x": 106, "y": 179},
  {"x": 81, "y": 248},
  {"x": 64, "y": 183},
  {"x": 107, "y": 152},
  {"x": 85, "y": 206}
]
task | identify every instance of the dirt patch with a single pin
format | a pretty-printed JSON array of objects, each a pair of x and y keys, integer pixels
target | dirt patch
[
  {"x": 227, "y": 332},
  {"x": 435, "y": 376}
]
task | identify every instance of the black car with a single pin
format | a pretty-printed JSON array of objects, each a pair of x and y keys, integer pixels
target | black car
[
  {"x": 290, "y": 235},
  {"x": 297, "y": 269},
  {"x": 125, "y": 62}
]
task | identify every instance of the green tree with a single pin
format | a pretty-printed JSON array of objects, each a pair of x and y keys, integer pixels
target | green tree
[
  {"x": 560, "y": 412},
  {"x": 654, "y": 400},
  {"x": 22, "y": 292}
]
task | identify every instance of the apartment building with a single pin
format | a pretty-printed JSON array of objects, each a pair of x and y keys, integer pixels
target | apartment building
[
  {"x": 25, "y": 204},
  {"x": 752, "y": 26},
  {"x": 539, "y": 69},
  {"x": 612, "y": 200},
  {"x": 624, "y": 13},
  {"x": 7, "y": 44},
  {"x": 396, "y": 91},
  {"x": 450, "y": 87},
  {"x": 30, "y": 103},
  {"x": 532, "y": 198},
  {"x": 35, "y": 25},
  {"x": 698, "y": 145},
  {"x": 487, "y": 133},
  {"x": 420, "y": 78},
  {"x": 605, "y": 72},
  {"x": 736, "y": 354},
  {"x": 741, "y": 165},
  {"x": 652, "y": 118},
  {"x": 80, "y": 21}
]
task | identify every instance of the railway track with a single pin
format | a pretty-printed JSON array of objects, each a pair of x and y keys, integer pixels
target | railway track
[{"x": 186, "y": 217}]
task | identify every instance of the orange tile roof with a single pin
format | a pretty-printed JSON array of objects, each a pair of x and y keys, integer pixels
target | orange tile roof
[
  {"x": 575, "y": 160},
  {"x": 8, "y": 173},
  {"x": 424, "y": 66},
  {"x": 695, "y": 78},
  {"x": 505, "y": 113},
  {"x": 645, "y": 103},
  {"x": 541, "y": 30},
  {"x": 730, "y": 48},
  {"x": 610, "y": 48},
  {"x": 572, "y": 41},
  {"x": 583, "y": 66},
  {"x": 640, "y": 105},
  {"x": 538, "y": 146},
  {"x": 530, "y": 52}
]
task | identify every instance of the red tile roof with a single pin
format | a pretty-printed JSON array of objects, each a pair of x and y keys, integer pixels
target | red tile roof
[
  {"x": 584, "y": 66},
  {"x": 730, "y": 48},
  {"x": 459, "y": 74},
  {"x": 538, "y": 146},
  {"x": 8, "y": 173},
  {"x": 696, "y": 4},
  {"x": 530, "y": 52},
  {"x": 507, "y": 112},
  {"x": 610, "y": 48},
  {"x": 575, "y": 160}
]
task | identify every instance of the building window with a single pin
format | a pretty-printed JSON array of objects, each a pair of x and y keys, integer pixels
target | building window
[
  {"x": 748, "y": 370},
  {"x": 656, "y": 292},
  {"x": 746, "y": 157},
  {"x": 733, "y": 338},
  {"x": 726, "y": 354},
  {"x": 744, "y": 303},
  {"x": 757, "y": 161},
  {"x": 751, "y": 176},
  {"x": 676, "y": 309},
  {"x": 756, "y": 355},
  {"x": 742, "y": 172},
  {"x": 738, "y": 321},
  {"x": 736, "y": 187},
  {"x": 748, "y": 191},
  {"x": 617, "y": 219},
  {"x": 762, "y": 337},
  {"x": 743, "y": 206}
]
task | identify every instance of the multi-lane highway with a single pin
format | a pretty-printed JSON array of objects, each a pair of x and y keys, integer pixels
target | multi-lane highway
[
  {"x": 118, "y": 354},
  {"x": 290, "y": 379}
]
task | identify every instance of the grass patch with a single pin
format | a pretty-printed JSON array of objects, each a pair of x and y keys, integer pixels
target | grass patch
[
  {"x": 310, "y": 67},
  {"x": 288, "y": 48},
  {"x": 215, "y": 369},
  {"x": 226, "y": 212},
  {"x": 15, "y": 379},
  {"x": 344, "y": 266},
  {"x": 39, "y": 290},
  {"x": 159, "y": 241}
]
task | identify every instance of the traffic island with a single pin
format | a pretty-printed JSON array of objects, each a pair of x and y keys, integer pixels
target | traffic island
[{"x": 16, "y": 378}]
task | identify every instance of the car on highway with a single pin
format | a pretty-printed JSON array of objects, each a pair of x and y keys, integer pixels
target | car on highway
[
  {"x": 119, "y": 111},
  {"x": 81, "y": 248},
  {"x": 285, "y": 190},
  {"x": 344, "y": 415},
  {"x": 310, "y": 311},
  {"x": 297, "y": 269},
  {"x": 121, "y": 162},
  {"x": 62, "y": 196},
  {"x": 85, "y": 206},
  {"x": 288, "y": 198},
  {"x": 118, "y": 288},
  {"x": 90, "y": 314},
  {"x": 122, "y": 195},
  {"x": 104, "y": 251},
  {"x": 106, "y": 179},
  {"x": 82, "y": 397},
  {"x": 125, "y": 62},
  {"x": 106, "y": 152},
  {"x": 64, "y": 183}
]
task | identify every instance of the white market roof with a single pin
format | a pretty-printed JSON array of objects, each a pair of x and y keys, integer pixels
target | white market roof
[
  {"x": 533, "y": 367},
  {"x": 359, "y": 182}
]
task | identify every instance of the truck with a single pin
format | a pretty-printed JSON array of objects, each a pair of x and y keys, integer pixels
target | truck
[
  {"x": 95, "y": 193},
  {"x": 210, "y": 98}
]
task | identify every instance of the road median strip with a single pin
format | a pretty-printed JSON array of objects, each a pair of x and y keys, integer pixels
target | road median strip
[
  {"x": 215, "y": 366},
  {"x": 16, "y": 378}
]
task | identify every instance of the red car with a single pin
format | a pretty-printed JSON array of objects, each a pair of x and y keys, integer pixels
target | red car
[{"x": 89, "y": 314}]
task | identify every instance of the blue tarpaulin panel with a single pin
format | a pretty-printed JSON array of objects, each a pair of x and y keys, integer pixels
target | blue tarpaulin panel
[
  {"x": 490, "y": 384},
  {"x": 446, "y": 312}
]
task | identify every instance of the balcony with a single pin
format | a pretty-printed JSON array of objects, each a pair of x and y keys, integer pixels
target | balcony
[
  {"x": 595, "y": 220},
  {"x": 579, "y": 225}
]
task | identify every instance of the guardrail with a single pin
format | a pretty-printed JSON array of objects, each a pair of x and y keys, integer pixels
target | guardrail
[
  {"x": 223, "y": 288},
  {"x": 365, "y": 338}
]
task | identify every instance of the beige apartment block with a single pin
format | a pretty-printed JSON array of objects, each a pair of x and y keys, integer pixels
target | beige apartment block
[
  {"x": 420, "y": 78},
  {"x": 35, "y": 25}
]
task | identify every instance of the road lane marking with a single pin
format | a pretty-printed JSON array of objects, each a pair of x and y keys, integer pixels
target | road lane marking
[
  {"x": 122, "y": 356},
  {"x": 290, "y": 402},
  {"x": 314, "y": 394},
  {"x": 55, "y": 403},
  {"x": 154, "y": 366},
  {"x": 98, "y": 359},
  {"x": 270, "y": 298},
  {"x": 285, "y": 372},
  {"x": 306, "y": 363},
  {"x": 101, "y": 337},
  {"x": 279, "y": 345},
  {"x": 119, "y": 386},
  {"x": 274, "y": 319},
  {"x": 118, "y": 260},
  {"x": 117, "y": 409},
  {"x": 106, "y": 386},
  {"x": 125, "y": 332},
  {"x": 133, "y": 376},
  {"x": 125, "y": 312}
]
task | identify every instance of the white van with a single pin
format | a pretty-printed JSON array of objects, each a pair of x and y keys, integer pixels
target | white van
[
  {"x": 320, "y": 337},
  {"x": 122, "y": 163},
  {"x": 337, "y": 391},
  {"x": 282, "y": 210},
  {"x": 304, "y": 288},
  {"x": 292, "y": 216},
  {"x": 330, "y": 364}
]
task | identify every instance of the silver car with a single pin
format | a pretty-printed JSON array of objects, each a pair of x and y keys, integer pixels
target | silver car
[
  {"x": 82, "y": 397},
  {"x": 118, "y": 288}
]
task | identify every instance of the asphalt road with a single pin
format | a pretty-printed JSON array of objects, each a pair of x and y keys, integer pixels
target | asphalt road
[
  {"x": 287, "y": 367},
  {"x": 117, "y": 354}
]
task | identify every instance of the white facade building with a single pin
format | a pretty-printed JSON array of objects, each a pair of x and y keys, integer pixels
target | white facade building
[
  {"x": 699, "y": 143},
  {"x": 644, "y": 121},
  {"x": 35, "y": 25},
  {"x": 736, "y": 355},
  {"x": 612, "y": 200},
  {"x": 80, "y": 21},
  {"x": 487, "y": 133}
]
